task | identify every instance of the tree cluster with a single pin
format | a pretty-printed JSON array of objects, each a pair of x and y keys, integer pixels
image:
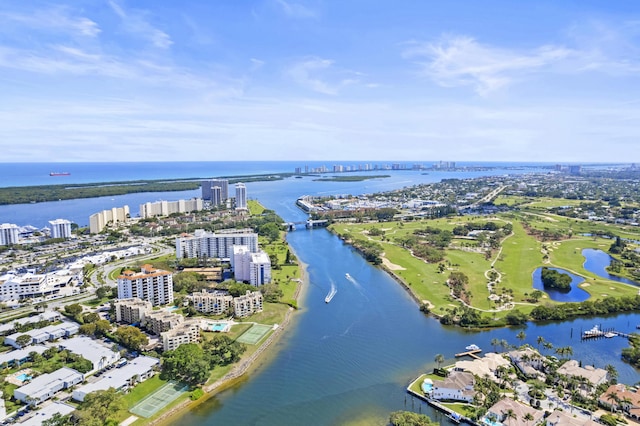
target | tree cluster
[
  {"x": 408, "y": 418},
  {"x": 555, "y": 280},
  {"x": 193, "y": 363}
]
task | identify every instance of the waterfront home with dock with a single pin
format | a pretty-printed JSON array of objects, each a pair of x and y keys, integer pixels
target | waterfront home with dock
[{"x": 457, "y": 386}]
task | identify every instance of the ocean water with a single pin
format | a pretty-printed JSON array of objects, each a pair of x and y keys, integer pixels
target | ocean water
[
  {"x": 25, "y": 174},
  {"x": 287, "y": 190}
]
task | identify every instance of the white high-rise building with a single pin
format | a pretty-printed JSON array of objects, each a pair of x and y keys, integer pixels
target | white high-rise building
[
  {"x": 240, "y": 263},
  {"x": 166, "y": 208},
  {"x": 259, "y": 269},
  {"x": 209, "y": 184},
  {"x": 9, "y": 234},
  {"x": 216, "y": 196},
  {"x": 98, "y": 221},
  {"x": 154, "y": 285},
  {"x": 220, "y": 246},
  {"x": 241, "y": 196},
  {"x": 60, "y": 228},
  {"x": 254, "y": 268}
]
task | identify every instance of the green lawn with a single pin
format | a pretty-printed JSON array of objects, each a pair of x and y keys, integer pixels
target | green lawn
[
  {"x": 142, "y": 390},
  {"x": 273, "y": 313},
  {"x": 520, "y": 256}
]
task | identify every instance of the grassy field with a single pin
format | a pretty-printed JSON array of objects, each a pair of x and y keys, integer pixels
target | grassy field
[
  {"x": 520, "y": 254},
  {"x": 283, "y": 277}
]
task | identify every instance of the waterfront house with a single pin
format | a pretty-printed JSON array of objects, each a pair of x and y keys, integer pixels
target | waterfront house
[
  {"x": 595, "y": 376},
  {"x": 457, "y": 386},
  {"x": 511, "y": 413},
  {"x": 619, "y": 397},
  {"x": 529, "y": 362},
  {"x": 485, "y": 366}
]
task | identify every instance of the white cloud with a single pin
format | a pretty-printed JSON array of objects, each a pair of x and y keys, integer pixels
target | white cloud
[
  {"x": 462, "y": 61},
  {"x": 57, "y": 18},
  {"x": 296, "y": 10},
  {"x": 321, "y": 76},
  {"x": 135, "y": 22}
]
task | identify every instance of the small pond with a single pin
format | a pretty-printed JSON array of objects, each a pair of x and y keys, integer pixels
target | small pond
[
  {"x": 596, "y": 261},
  {"x": 576, "y": 294}
]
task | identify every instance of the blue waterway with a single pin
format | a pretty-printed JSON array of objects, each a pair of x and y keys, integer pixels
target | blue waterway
[{"x": 576, "y": 294}]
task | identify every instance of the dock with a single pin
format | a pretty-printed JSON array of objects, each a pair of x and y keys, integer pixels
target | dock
[
  {"x": 596, "y": 332},
  {"x": 472, "y": 353}
]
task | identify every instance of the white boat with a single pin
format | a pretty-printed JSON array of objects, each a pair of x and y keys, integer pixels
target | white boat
[
  {"x": 348, "y": 276},
  {"x": 473, "y": 348},
  {"x": 594, "y": 332},
  {"x": 332, "y": 293},
  {"x": 610, "y": 335}
]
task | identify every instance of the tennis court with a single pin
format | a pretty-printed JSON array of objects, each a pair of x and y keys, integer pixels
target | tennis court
[
  {"x": 159, "y": 399},
  {"x": 254, "y": 334}
]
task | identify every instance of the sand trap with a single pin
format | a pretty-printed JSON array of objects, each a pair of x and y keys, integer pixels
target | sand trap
[
  {"x": 429, "y": 304},
  {"x": 585, "y": 285},
  {"x": 392, "y": 266}
]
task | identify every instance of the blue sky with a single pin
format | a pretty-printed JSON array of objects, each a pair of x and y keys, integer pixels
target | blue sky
[{"x": 142, "y": 80}]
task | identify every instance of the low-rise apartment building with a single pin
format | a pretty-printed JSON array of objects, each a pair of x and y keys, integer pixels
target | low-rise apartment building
[
  {"x": 132, "y": 311},
  {"x": 186, "y": 332},
  {"x": 159, "y": 322},
  {"x": 248, "y": 304},
  {"x": 215, "y": 303},
  {"x": 47, "y": 385}
]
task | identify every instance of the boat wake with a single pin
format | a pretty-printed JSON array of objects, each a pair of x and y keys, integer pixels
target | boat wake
[{"x": 332, "y": 293}]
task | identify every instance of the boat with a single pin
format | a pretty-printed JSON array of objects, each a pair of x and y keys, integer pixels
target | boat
[
  {"x": 594, "y": 332},
  {"x": 473, "y": 348},
  {"x": 59, "y": 174},
  {"x": 609, "y": 335},
  {"x": 348, "y": 276},
  {"x": 332, "y": 293}
]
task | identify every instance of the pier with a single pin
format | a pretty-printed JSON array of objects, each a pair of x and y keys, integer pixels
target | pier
[
  {"x": 472, "y": 353},
  {"x": 597, "y": 333}
]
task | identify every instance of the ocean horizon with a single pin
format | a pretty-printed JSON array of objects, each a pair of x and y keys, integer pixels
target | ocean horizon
[{"x": 39, "y": 173}]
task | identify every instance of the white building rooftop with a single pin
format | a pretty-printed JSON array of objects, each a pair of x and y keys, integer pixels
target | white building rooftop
[
  {"x": 99, "y": 354},
  {"x": 47, "y": 412},
  {"x": 117, "y": 378}
]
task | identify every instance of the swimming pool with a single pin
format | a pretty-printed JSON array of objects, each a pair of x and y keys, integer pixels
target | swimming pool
[
  {"x": 427, "y": 387},
  {"x": 173, "y": 308},
  {"x": 219, "y": 327},
  {"x": 23, "y": 377}
]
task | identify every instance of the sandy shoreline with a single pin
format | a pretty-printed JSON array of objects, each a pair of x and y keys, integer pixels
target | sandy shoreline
[{"x": 239, "y": 370}]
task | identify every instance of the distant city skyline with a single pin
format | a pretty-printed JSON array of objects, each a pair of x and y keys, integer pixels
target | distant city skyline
[{"x": 316, "y": 80}]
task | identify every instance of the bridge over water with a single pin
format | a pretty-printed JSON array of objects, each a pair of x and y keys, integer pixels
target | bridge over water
[{"x": 309, "y": 224}]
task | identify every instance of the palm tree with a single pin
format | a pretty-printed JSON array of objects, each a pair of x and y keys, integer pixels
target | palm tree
[
  {"x": 528, "y": 417},
  {"x": 540, "y": 340},
  {"x": 547, "y": 345},
  {"x": 612, "y": 372},
  {"x": 521, "y": 336},
  {"x": 510, "y": 414},
  {"x": 495, "y": 342},
  {"x": 439, "y": 359},
  {"x": 614, "y": 399}
]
